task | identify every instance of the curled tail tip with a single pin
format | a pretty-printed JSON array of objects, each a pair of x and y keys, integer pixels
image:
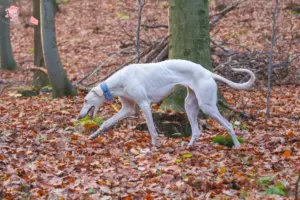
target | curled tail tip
[{"x": 241, "y": 70}]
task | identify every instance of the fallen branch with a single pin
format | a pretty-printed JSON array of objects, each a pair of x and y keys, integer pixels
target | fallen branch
[
  {"x": 100, "y": 66},
  {"x": 155, "y": 26},
  {"x": 2, "y": 87},
  {"x": 95, "y": 71},
  {"x": 163, "y": 54},
  {"x": 124, "y": 65},
  {"x": 222, "y": 64},
  {"x": 156, "y": 51},
  {"x": 36, "y": 69},
  {"x": 82, "y": 87},
  {"x": 26, "y": 60},
  {"x": 242, "y": 114},
  {"x": 220, "y": 15},
  {"x": 285, "y": 62}
]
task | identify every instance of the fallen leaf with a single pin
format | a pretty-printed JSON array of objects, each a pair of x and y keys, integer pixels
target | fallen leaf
[{"x": 287, "y": 154}]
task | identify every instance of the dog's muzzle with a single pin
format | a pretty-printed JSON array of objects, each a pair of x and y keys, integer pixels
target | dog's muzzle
[{"x": 84, "y": 112}]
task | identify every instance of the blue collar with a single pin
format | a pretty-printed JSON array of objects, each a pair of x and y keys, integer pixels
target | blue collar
[{"x": 106, "y": 92}]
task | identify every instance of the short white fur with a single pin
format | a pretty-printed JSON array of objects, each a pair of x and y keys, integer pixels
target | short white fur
[{"x": 144, "y": 84}]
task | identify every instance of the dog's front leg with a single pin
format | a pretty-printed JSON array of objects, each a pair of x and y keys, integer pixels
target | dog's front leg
[
  {"x": 148, "y": 115},
  {"x": 127, "y": 109}
]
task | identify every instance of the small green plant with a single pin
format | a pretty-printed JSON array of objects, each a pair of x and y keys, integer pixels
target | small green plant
[
  {"x": 278, "y": 188},
  {"x": 266, "y": 180},
  {"x": 226, "y": 141},
  {"x": 88, "y": 123}
]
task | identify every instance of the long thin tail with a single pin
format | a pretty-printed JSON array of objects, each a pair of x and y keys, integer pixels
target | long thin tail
[{"x": 232, "y": 84}]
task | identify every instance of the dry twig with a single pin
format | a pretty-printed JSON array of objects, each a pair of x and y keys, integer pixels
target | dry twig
[
  {"x": 270, "y": 60},
  {"x": 141, "y": 5}
]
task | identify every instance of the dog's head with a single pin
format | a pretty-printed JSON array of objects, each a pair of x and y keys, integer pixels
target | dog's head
[{"x": 92, "y": 101}]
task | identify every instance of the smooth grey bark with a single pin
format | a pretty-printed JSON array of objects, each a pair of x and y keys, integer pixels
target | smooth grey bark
[
  {"x": 60, "y": 83},
  {"x": 189, "y": 39},
  {"x": 40, "y": 79},
  {"x": 6, "y": 53}
]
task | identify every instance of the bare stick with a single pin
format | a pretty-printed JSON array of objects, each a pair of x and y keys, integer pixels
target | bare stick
[
  {"x": 155, "y": 26},
  {"x": 162, "y": 54},
  {"x": 36, "y": 69},
  {"x": 141, "y": 4},
  {"x": 100, "y": 66},
  {"x": 242, "y": 114},
  {"x": 95, "y": 71},
  {"x": 297, "y": 187},
  {"x": 26, "y": 60},
  {"x": 124, "y": 65},
  {"x": 270, "y": 60}
]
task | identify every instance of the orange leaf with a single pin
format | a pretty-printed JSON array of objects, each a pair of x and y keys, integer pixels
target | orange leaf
[
  {"x": 234, "y": 169},
  {"x": 156, "y": 107},
  {"x": 222, "y": 170},
  {"x": 99, "y": 139},
  {"x": 91, "y": 125},
  {"x": 290, "y": 134},
  {"x": 148, "y": 197},
  {"x": 100, "y": 182},
  {"x": 41, "y": 192},
  {"x": 128, "y": 198},
  {"x": 1, "y": 157},
  {"x": 69, "y": 179},
  {"x": 287, "y": 154}
]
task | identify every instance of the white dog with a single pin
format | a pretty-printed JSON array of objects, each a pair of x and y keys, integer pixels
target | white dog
[{"x": 144, "y": 84}]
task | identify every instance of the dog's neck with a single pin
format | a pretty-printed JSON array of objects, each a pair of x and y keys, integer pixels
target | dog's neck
[{"x": 114, "y": 86}]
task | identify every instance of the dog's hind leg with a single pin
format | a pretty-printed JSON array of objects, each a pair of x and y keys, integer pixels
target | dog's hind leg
[
  {"x": 207, "y": 101},
  {"x": 127, "y": 109},
  {"x": 213, "y": 111},
  {"x": 192, "y": 110},
  {"x": 145, "y": 107}
]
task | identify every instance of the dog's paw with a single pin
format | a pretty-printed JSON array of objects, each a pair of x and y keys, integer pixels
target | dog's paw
[
  {"x": 236, "y": 146},
  {"x": 156, "y": 143},
  {"x": 93, "y": 136}
]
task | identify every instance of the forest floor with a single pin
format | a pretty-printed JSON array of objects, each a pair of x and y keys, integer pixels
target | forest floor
[{"x": 42, "y": 154}]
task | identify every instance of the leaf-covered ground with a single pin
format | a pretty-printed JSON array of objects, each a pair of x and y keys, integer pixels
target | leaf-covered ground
[{"x": 43, "y": 156}]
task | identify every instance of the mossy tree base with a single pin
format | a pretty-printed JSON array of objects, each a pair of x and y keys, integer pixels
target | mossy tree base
[
  {"x": 40, "y": 80},
  {"x": 61, "y": 86},
  {"x": 172, "y": 125}
]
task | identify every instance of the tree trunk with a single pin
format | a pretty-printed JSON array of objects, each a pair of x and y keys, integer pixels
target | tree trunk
[
  {"x": 6, "y": 53},
  {"x": 60, "y": 83},
  {"x": 40, "y": 79},
  {"x": 189, "y": 39}
]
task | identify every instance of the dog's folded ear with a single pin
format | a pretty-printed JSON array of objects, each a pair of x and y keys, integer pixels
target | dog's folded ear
[{"x": 98, "y": 91}]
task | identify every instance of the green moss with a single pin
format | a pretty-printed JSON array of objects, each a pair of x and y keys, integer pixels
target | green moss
[
  {"x": 226, "y": 141},
  {"x": 28, "y": 92}
]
